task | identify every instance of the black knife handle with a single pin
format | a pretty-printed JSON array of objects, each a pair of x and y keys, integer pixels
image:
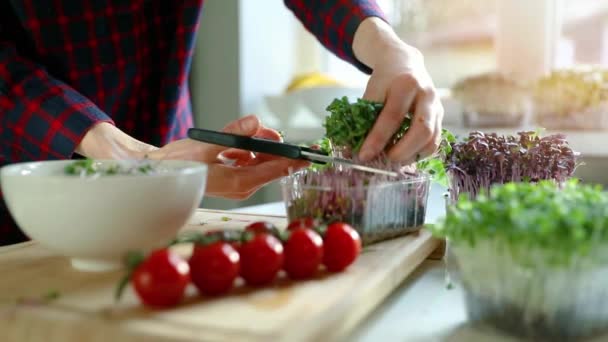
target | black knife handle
[{"x": 246, "y": 143}]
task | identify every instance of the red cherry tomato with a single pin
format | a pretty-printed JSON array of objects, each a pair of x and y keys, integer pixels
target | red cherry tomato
[
  {"x": 225, "y": 236},
  {"x": 214, "y": 268},
  {"x": 305, "y": 222},
  {"x": 303, "y": 253},
  {"x": 161, "y": 279},
  {"x": 261, "y": 227},
  {"x": 341, "y": 246},
  {"x": 261, "y": 259}
]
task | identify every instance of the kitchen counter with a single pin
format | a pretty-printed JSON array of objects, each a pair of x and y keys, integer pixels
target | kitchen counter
[{"x": 421, "y": 308}]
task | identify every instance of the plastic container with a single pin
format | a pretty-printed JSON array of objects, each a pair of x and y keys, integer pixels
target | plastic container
[
  {"x": 523, "y": 294},
  {"x": 573, "y": 99},
  {"x": 491, "y": 100},
  {"x": 378, "y": 208},
  {"x": 591, "y": 118}
]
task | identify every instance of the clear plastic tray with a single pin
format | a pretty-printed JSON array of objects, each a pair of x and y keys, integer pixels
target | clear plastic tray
[
  {"x": 378, "y": 209},
  {"x": 533, "y": 298}
]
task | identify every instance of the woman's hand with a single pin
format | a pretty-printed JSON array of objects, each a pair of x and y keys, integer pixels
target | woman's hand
[
  {"x": 399, "y": 80},
  {"x": 234, "y": 174}
]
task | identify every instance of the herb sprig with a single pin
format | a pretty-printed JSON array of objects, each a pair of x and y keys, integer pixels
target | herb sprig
[{"x": 349, "y": 123}]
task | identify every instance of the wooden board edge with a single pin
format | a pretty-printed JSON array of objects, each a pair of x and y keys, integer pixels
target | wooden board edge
[
  {"x": 53, "y": 323},
  {"x": 236, "y": 212},
  {"x": 439, "y": 252},
  {"x": 367, "y": 300}
]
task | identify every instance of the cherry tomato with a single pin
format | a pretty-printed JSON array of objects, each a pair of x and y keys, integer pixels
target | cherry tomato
[
  {"x": 341, "y": 246},
  {"x": 304, "y": 222},
  {"x": 261, "y": 259},
  {"x": 161, "y": 279},
  {"x": 261, "y": 227},
  {"x": 303, "y": 253},
  {"x": 214, "y": 268},
  {"x": 230, "y": 236}
]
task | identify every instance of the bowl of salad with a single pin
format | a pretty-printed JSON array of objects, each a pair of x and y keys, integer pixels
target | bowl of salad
[
  {"x": 533, "y": 258},
  {"x": 94, "y": 211}
]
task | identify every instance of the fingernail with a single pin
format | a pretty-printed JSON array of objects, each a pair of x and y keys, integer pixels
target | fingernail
[
  {"x": 365, "y": 154},
  {"x": 249, "y": 123}
]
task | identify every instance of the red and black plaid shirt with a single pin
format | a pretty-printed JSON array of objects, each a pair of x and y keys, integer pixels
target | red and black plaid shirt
[{"x": 66, "y": 65}]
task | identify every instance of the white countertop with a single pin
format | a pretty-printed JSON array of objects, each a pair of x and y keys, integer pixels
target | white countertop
[{"x": 421, "y": 308}]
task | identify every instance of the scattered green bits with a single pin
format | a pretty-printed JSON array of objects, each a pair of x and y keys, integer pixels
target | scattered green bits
[{"x": 88, "y": 167}]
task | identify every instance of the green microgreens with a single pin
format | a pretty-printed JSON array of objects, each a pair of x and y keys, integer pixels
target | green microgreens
[{"x": 563, "y": 221}]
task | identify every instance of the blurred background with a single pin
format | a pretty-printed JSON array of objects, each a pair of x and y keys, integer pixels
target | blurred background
[{"x": 256, "y": 57}]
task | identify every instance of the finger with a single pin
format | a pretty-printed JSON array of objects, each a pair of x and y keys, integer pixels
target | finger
[
  {"x": 221, "y": 187},
  {"x": 268, "y": 133},
  {"x": 373, "y": 91},
  {"x": 234, "y": 182},
  {"x": 422, "y": 129},
  {"x": 247, "y": 125},
  {"x": 399, "y": 100},
  {"x": 251, "y": 177},
  {"x": 235, "y": 157},
  {"x": 433, "y": 145}
]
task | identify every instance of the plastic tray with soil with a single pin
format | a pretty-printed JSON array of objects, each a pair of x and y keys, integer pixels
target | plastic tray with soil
[
  {"x": 532, "y": 258},
  {"x": 493, "y": 100},
  {"x": 378, "y": 207},
  {"x": 573, "y": 99}
]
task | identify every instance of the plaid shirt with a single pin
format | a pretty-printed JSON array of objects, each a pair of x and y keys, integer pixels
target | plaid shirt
[{"x": 66, "y": 65}]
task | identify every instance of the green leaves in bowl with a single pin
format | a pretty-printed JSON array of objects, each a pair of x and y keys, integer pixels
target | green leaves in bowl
[
  {"x": 561, "y": 221},
  {"x": 89, "y": 167}
]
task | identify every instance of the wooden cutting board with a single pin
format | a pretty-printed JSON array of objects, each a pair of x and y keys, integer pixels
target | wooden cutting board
[{"x": 323, "y": 309}]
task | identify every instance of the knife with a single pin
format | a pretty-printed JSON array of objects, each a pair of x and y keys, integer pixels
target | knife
[{"x": 276, "y": 148}]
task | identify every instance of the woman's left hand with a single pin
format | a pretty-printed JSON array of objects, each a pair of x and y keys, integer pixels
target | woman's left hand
[{"x": 399, "y": 80}]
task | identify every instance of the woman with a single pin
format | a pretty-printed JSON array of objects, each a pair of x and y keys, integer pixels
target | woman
[{"x": 108, "y": 79}]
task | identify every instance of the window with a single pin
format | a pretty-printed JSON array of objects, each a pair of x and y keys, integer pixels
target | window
[{"x": 458, "y": 37}]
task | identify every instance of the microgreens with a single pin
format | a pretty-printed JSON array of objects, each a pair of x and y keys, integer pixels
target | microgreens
[
  {"x": 485, "y": 159},
  {"x": 88, "y": 167},
  {"x": 563, "y": 221},
  {"x": 348, "y": 124}
]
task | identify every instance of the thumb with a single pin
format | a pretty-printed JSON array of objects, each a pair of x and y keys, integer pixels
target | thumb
[
  {"x": 373, "y": 91},
  {"x": 247, "y": 125}
]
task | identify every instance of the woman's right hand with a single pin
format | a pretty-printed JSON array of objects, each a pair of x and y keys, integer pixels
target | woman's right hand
[{"x": 233, "y": 174}]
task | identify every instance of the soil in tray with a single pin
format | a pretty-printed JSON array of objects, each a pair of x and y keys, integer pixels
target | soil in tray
[
  {"x": 372, "y": 229},
  {"x": 515, "y": 321}
]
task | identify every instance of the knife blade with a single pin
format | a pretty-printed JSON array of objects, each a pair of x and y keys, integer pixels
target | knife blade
[{"x": 346, "y": 162}]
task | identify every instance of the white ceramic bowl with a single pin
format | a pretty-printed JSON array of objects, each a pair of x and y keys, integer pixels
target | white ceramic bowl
[{"x": 96, "y": 221}]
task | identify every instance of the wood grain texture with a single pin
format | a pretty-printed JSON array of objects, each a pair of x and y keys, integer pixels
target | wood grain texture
[{"x": 326, "y": 308}]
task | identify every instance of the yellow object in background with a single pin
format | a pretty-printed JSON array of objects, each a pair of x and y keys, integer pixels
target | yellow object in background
[{"x": 311, "y": 80}]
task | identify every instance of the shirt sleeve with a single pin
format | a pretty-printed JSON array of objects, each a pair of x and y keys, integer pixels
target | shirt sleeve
[
  {"x": 334, "y": 23},
  {"x": 41, "y": 117}
]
